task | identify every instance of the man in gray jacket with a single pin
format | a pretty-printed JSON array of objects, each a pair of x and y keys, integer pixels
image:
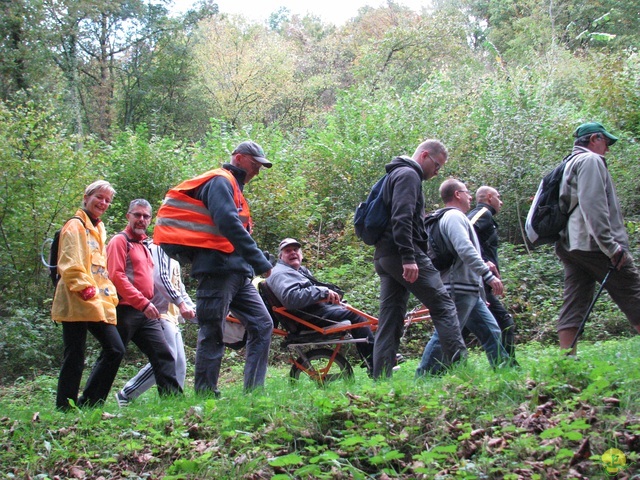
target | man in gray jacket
[
  {"x": 464, "y": 280},
  {"x": 595, "y": 239},
  {"x": 315, "y": 301}
]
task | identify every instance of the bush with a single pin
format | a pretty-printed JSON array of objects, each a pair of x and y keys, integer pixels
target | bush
[{"x": 30, "y": 342}]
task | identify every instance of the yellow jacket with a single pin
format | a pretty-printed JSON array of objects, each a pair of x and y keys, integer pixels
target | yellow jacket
[{"x": 82, "y": 262}]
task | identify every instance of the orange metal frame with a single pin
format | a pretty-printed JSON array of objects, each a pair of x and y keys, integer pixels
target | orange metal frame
[{"x": 414, "y": 316}]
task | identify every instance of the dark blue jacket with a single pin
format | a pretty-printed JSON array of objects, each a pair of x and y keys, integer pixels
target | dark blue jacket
[{"x": 246, "y": 259}]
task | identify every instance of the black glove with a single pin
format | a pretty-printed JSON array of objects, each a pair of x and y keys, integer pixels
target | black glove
[{"x": 271, "y": 258}]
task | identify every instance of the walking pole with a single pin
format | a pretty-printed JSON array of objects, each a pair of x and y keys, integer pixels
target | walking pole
[{"x": 593, "y": 302}]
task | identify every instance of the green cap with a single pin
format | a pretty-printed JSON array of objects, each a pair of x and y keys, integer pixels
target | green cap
[{"x": 594, "y": 127}]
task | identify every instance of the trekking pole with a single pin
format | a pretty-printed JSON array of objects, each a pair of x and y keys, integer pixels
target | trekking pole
[{"x": 593, "y": 302}]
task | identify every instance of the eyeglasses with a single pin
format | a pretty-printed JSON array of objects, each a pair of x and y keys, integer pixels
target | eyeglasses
[
  {"x": 144, "y": 216},
  {"x": 464, "y": 191},
  {"x": 435, "y": 164},
  {"x": 606, "y": 140},
  {"x": 260, "y": 165}
]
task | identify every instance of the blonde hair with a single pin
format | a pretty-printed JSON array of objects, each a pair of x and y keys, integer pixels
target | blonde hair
[{"x": 96, "y": 187}]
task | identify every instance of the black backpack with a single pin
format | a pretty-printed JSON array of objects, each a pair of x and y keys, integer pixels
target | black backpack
[
  {"x": 372, "y": 216},
  {"x": 438, "y": 251},
  {"x": 52, "y": 264},
  {"x": 546, "y": 218}
]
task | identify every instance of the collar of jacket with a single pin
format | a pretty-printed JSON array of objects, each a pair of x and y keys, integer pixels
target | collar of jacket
[
  {"x": 237, "y": 172},
  {"x": 487, "y": 206},
  {"x": 404, "y": 161},
  {"x": 578, "y": 150},
  {"x": 94, "y": 221}
]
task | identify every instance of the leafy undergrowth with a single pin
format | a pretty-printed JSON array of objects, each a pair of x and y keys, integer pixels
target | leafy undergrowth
[{"x": 553, "y": 418}]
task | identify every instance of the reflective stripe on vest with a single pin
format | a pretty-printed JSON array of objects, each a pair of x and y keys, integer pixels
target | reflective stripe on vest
[{"x": 184, "y": 220}]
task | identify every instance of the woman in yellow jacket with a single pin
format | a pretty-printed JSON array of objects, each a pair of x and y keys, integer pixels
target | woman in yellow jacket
[{"x": 85, "y": 300}]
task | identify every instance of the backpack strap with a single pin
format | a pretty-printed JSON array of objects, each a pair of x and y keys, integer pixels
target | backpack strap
[
  {"x": 477, "y": 216},
  {"x": 147, "y": 250},
  {"x": 566, "y": 160},
  {"x": 129, "y": 240}
]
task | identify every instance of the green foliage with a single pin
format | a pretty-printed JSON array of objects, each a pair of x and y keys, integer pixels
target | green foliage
[
  {"x": 42, "y": 180},
  {"x": 142, "y": 166},
  {"x": 471, "y": 422},
  {"x": 360, "y": 94},
  {"x": 30, "y": 342}
]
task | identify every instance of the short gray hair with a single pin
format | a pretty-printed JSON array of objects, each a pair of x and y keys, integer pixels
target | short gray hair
[
  {"x": 448, "y": 189},
  {"x": 139, "y": 202},
  {"x": 433, "y": 146}
]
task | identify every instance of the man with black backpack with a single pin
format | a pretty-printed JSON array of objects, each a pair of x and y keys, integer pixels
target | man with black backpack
[
  {"x": 402, "y": 263},
  {"x": 595, "y": 239},
  {"x": 464, "y": 280}
]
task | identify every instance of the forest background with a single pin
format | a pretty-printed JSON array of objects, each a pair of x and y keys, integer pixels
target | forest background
[{"x": 121, "y": 90}]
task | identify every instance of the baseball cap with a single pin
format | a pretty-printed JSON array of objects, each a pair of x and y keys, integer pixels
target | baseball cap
[
  {"x": 253, "y": 149},
  {"x": 594, "y": 127},
  {"x": 288, "y": 241}
]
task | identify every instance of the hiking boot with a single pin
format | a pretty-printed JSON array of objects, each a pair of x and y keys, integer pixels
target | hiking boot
[{"x": 121, "y": 399}]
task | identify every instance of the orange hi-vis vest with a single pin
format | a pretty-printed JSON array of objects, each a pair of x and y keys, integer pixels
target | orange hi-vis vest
[{"x": 184, "y": 220}]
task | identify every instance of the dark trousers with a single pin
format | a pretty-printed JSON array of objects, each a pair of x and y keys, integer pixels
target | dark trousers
[
  {"x": 215, "y": 297},
  {"x": 394, "y": 295},
  {"x": 147, "y": 334},
  {"x": 337, "y": 313},
  {"x": 74, "y": 337}
]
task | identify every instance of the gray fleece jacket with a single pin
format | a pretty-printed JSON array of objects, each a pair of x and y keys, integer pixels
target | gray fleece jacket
[
  {"x": 293, "y": 289},
  {"x": 469, "y": 270},
  {"x": 596, "y": 224}
]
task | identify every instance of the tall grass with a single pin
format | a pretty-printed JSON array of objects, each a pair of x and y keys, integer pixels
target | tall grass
[{"x": 552, "y": 418}]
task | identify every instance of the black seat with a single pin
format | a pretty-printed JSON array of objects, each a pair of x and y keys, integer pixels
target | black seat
[{"x": 270, "y": 300}]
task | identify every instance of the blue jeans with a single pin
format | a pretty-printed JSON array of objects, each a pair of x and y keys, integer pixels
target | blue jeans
[
  {"x": 504, "y": 320},
  {"x": 215, "y": 297},
  {"x": 483, "y": 326}
]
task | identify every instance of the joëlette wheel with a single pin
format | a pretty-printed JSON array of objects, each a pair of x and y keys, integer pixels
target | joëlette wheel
[{"x": 324, "y": 367}]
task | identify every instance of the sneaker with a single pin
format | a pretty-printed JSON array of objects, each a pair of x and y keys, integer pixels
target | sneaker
[
  {"x": 122, "y": 399},
  {"x": 399, "y": 359}
]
